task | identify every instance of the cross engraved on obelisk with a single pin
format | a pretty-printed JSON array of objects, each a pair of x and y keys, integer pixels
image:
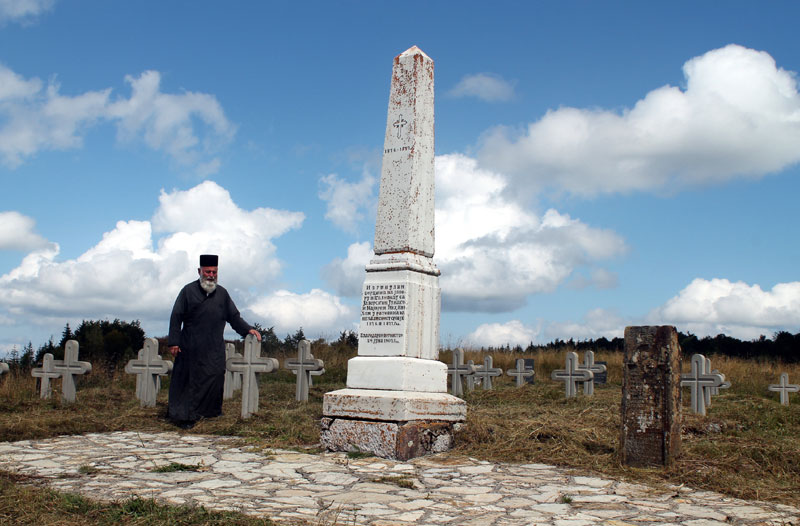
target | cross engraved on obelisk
[{"x": 399, "y": 123}]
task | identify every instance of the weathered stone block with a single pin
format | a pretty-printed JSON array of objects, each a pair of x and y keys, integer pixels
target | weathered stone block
[
  {"x": 393, "y": 440},
  {"x": 651, "y": 396}
]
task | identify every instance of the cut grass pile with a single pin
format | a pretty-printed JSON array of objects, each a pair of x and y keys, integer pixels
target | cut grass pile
[{"x": 748, "y": 446}]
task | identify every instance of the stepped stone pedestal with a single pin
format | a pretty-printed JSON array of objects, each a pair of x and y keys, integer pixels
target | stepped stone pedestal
[{"x": 396, "y": 403}]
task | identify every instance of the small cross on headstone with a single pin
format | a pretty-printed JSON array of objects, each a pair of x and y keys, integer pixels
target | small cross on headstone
[
  {"x": 302, "y": 367},
  {"x": 784, "y": 388},
  {"x": 486, "y": 372},
  {"x": 458, "y": 371},
  {"x": 522, "y": 373},
  {"x": 596, "y": 368},
  {"x": 572, "y": 374},
  {"x": 233, "y": 379},
  {"x": 699, "y": 381},
  {"x": 148, "y": 367},
  {"x": 251, "y": 363},
  {"x": 68, "y": 368}
]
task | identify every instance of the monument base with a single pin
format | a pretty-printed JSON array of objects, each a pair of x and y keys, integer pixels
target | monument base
[
  {"x": 390, "y": 424},
  {"x": 392, "y": 440}
]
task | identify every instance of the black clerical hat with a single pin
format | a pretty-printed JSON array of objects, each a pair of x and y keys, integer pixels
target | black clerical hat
[{"x": 209, "y": 260}]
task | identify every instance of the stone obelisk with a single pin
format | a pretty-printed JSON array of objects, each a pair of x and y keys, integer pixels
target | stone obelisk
[{"x": 396, "y": 403}]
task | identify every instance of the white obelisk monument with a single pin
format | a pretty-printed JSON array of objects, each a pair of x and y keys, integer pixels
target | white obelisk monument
[{"x": 396, "y": 403}]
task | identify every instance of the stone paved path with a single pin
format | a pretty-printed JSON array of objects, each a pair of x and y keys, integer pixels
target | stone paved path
[{"x": 332, "y": 489}]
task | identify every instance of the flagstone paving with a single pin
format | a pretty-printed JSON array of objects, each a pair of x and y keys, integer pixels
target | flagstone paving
[{"x": 331, "y": 488}]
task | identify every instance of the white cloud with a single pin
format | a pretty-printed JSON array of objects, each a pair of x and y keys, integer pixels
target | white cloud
[
  {"x": 711, "y": 307},
  {"x": 189, "y": 127},
  {"x": 494, "y": 253},
  {"x": 316, "y": 312},
  {"x": 485, "y": 86},
  {"x": 739, "y": 116},
  {"x": 17, "y": 233},
  {"x": 347, "y": 201},
  {"x": 23, "y": 10},
  {"x": 127, "y": 275},
  {"x": 346, "y": 276},
  {"x": 597, "y": 323},
  {"x": 511, "y": 333}
]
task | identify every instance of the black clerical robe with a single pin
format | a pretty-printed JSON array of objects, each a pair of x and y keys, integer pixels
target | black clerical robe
[{"x": 196, "y": 325}]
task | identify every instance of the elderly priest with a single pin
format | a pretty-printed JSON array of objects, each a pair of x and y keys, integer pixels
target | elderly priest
[{"x": 195, "y": 340}]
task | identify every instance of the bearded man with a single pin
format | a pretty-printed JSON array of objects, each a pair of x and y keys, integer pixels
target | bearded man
[{"x": 195, "y": 340}]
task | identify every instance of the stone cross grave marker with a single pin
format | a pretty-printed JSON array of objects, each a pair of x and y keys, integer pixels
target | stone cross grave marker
[
  {"x": 522, "y": 373},
  {"x": 233, "y": 379},
  {"x": 601, "y": 378},
  {"x": 486, "y": 372},
  {"x": 68, "y": 368},
  {"x": 699, "y": 380},
  {"x": 249, "y": 365},
  {"x": 572, "y": 374},
  {"x": 3, "y": 368},
  {"x": 458, "y": 371},
  {"x": 45, "y": 373},
  {"x": 784, "y": 388},
  {"x": 470, "y": 378},
  {"x": 596, "y": 368},
  {"x": 148, "y": 367},
  {"x": 302, "y": 367}
]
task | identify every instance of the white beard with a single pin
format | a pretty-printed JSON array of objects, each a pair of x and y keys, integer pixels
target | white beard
[{"x": 208, "y": 285}]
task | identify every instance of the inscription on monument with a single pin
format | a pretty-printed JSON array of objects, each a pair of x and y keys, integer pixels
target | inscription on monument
[{"x": 383, "y": 312}]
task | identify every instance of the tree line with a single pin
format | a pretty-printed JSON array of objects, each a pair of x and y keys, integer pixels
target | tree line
[{"x": 112, "y": 343}]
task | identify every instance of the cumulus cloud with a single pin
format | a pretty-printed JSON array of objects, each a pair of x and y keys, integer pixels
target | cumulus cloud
[
  {"x": 597, "y": 323},
  {"x": 17, "y": 233},
  {"x": 23, "y": 10},
  {"x": 346, "y": 201},
  {"x": 346, "y": 276},
  {"x": 316, "y": 312},
  {"x": 189, "y": 127},
  {"x": 738, "y": 116},
  {"x": 131, "y": 274},
  {"x": 492, "y": 251},
  {"x": 719, "y": 306},
  {"x": 485, "y": 86},
  {"x": 511, "y": 333}
]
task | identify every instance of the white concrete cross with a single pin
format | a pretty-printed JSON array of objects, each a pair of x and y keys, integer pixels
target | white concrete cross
[
  {"x": 784, "y": 388},
  {"x": 302, "y": 367},
  {"x": 596, "y": 368},
  {"x": 572, "y": 374},
  {"x": 148, "y": 366},
  {"x": 46, "y": 373},
  {"x": 521, "y": 373},
  {"x": 249, "y": 365},
  {"x": 68, "y": 368},
  {"x": 485, "y": 372},
  {"x": 699, "y": 381},
  {"x": 458, "y": 371},
  {"x": 471, "y": 377},
  {"x": 233, "y": 380}
]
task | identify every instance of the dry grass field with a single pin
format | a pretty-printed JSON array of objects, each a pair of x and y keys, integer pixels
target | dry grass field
[{"x": 748, "y": 445}]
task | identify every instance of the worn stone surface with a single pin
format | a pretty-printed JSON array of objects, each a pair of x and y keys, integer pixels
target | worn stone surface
[
  {"x": 330, "y": 488},
  {"x": 406, "y": 202},
  {"x": 396, "y": 373},
  {"x": 390, "y": 440},
  {"x": 651, "y": 396}
]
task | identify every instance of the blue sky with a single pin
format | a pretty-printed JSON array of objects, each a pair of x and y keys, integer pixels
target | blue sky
[{"x": 599, "y": 164}]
